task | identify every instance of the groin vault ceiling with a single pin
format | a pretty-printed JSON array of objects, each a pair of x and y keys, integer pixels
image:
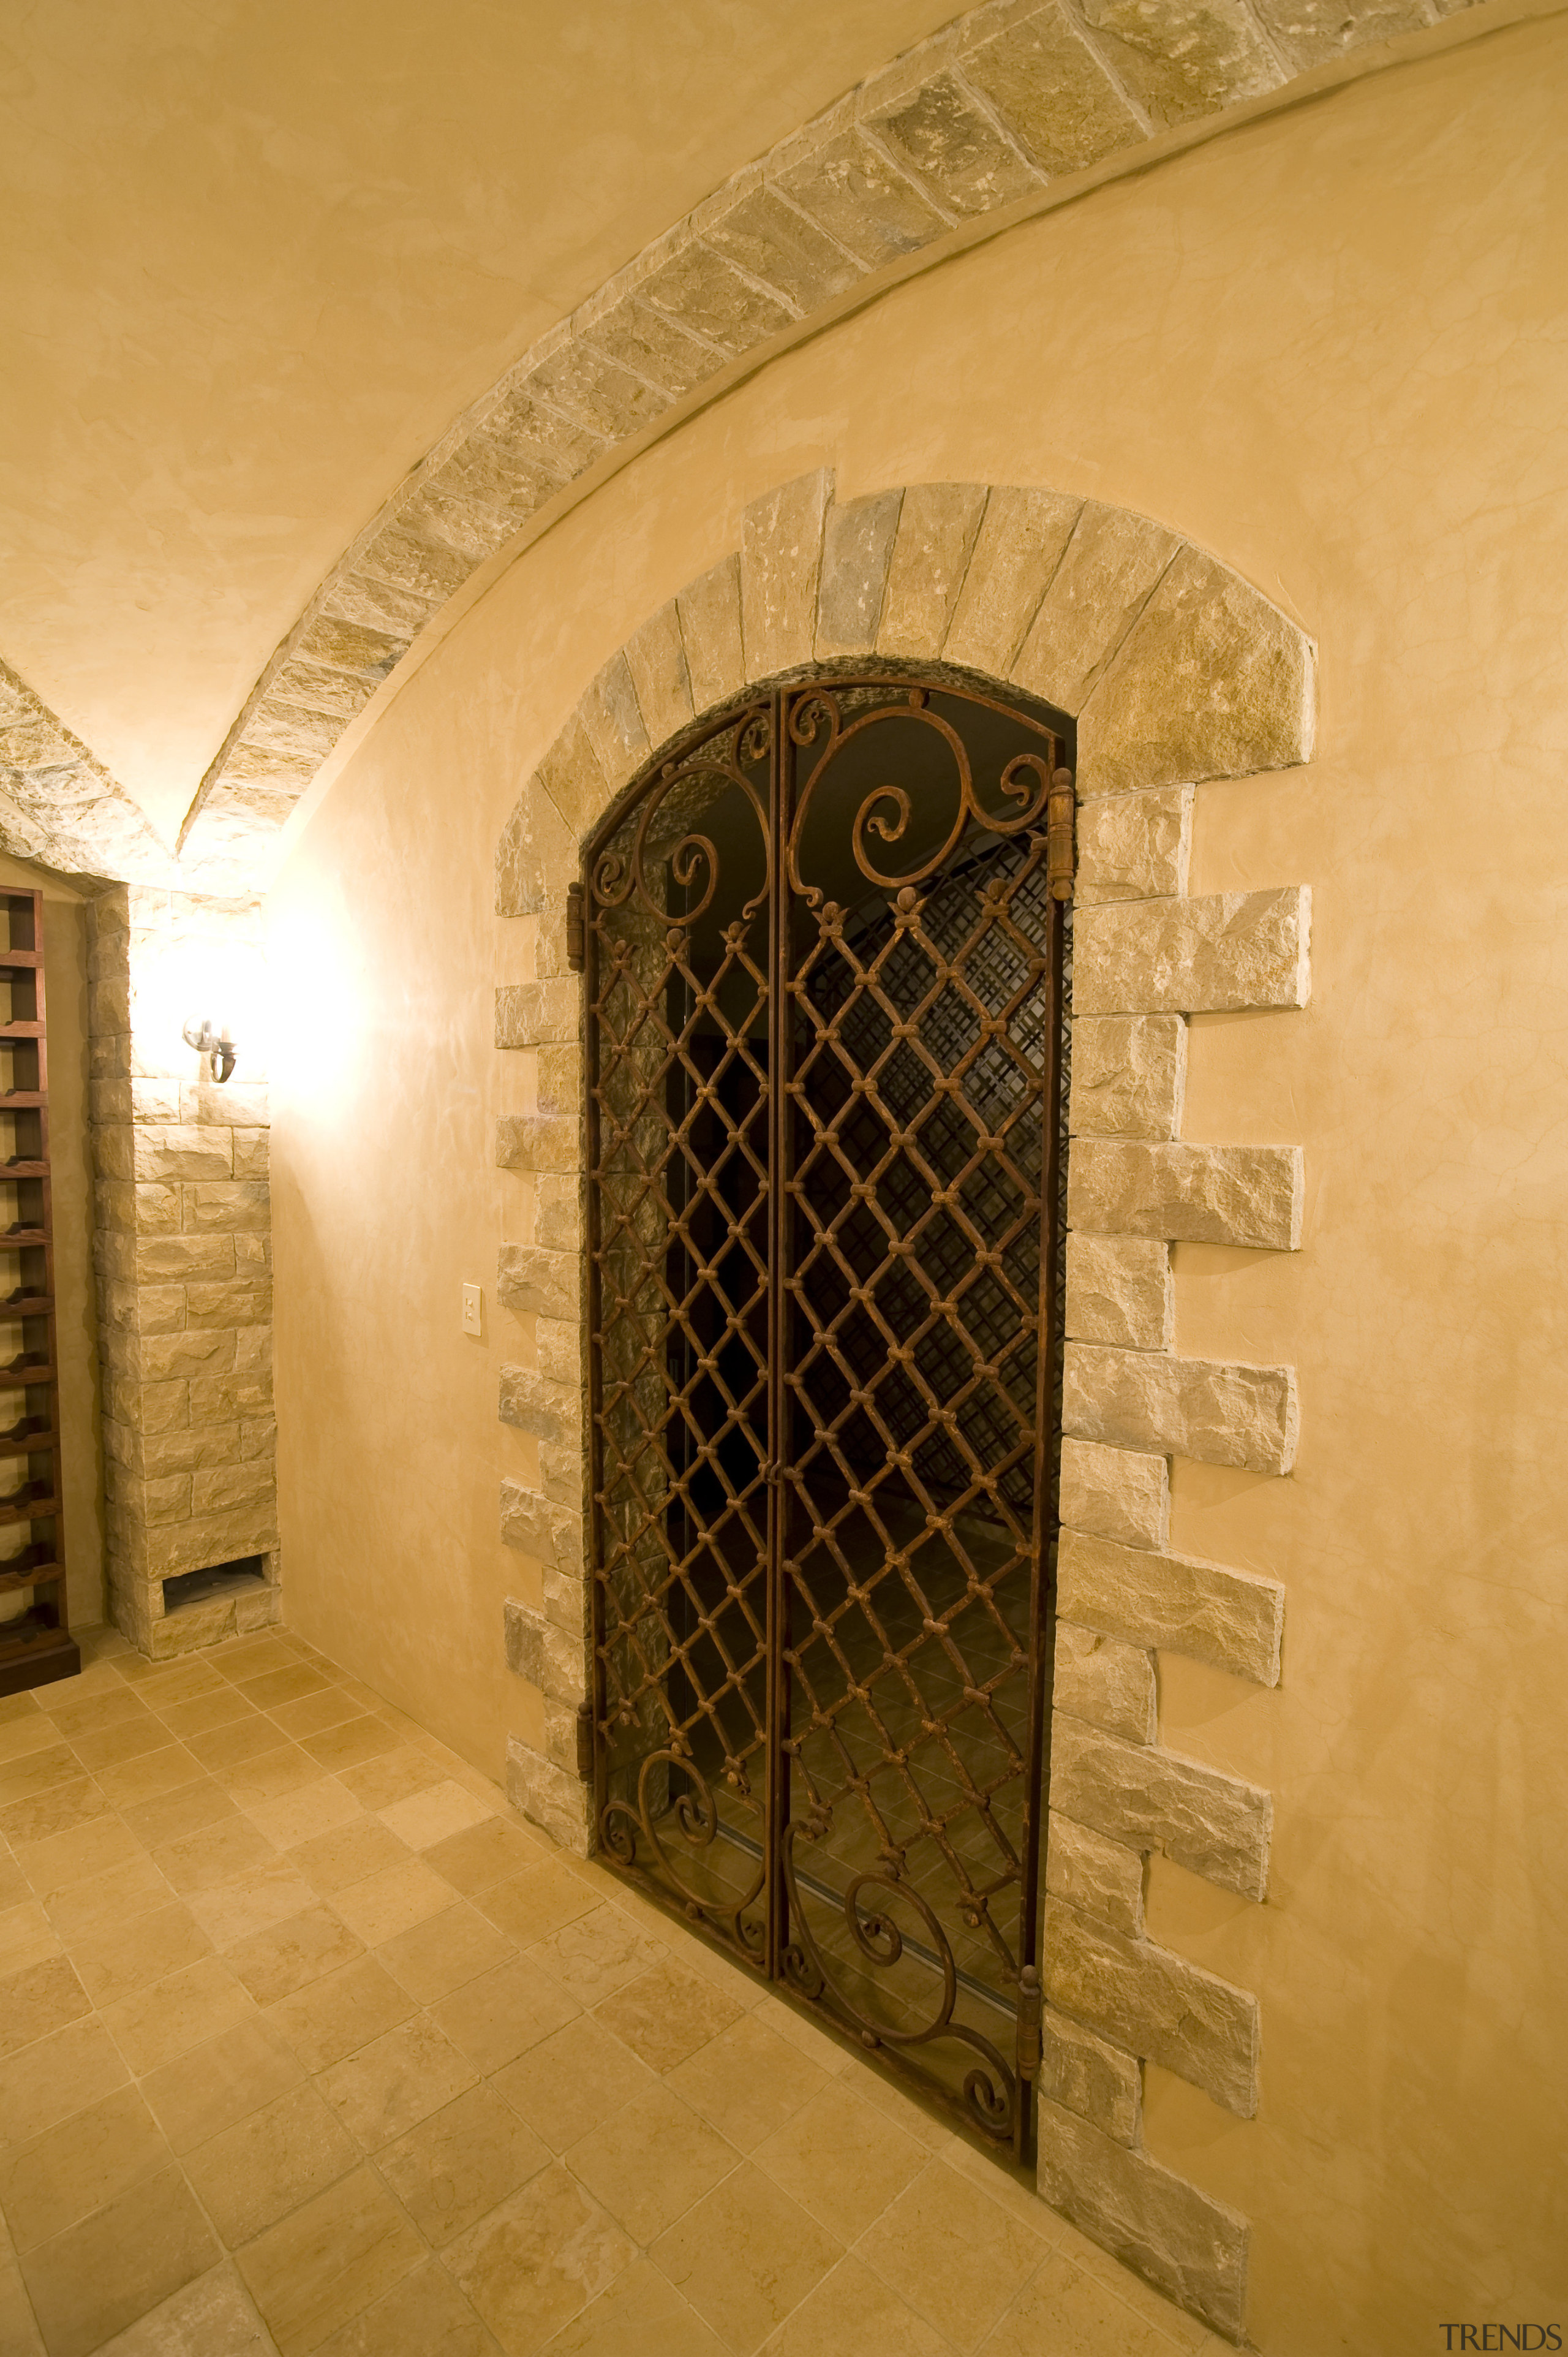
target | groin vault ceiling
[{"x": 313, "y": 309}]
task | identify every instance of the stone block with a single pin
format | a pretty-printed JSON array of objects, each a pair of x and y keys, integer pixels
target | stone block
[
  {"x": 227, "y": 1104},
  {"x": 213, "y": 1538},
  {"x": 558, "y": 1078},
  {"x": 948, "y": 144},
  {"x": 558, "y": 1210},
  {"x": 846, "y": 183},
  {"x": 548, "y": 1410},
  {"x": 1249, "y": 1195},
  {"x": 1051, "y": 90},
  {"x": 1183, "y": 59},
  {"x": 252, "y": 1349},
  {"x": 188, "y": 1451},
  {"x": 113, "y": 1151},
  {"x": 524, "y": 1642},
  {"x": 1096, "y": 1876},
  {"x": 1214, "y": 682},
  {"x": 1156, "y": 2004},
  {"x": 612, "y": 720},
  {"x": 529, "y": 1013},
  {"x": 242, "y": 1203},
  {"x": 566, "y": 1601},
  {"x": 1108, "y": 1684},
  {"x": 237, "y": 1303},
  {"x": 709, "y": 611},
  {"x": 700, "y": 290},
  {"x": 536, "y": 1281},
  {"x": 109, "y": 1004},
  {"x": 183, "y": 1259},
  {"x": 770, "y": 241},
  {"x": 253, "y": 1255},
  {"x": 648, "y": 345},
  {"x": 1193, "y": 2248},
  {"x": 656, "y": 655},
  {"x": 252, "y": 1153},
  {"x": 549, "y": 1796},
  {"x": 222, "y": 1398},
  {"x": 175, "y": 1358},
  {"x": 1215, "y": 1411},
  {"x": 561, "y": 1733},
  {"x": 780, "y": 570},
  {"x": 1149, "y": 1797},
  {"x": 126, "y": 1209},
  {"x": 538, "y": 1142},
  {"x": 1219, "y": 955},
  {"x": 226, "y": 1488},
  {"x": 1133, "y": 846},
  {"x": 1311, "y": 32},
  {"x": 1119, "y": 1289},
  {"x": 1107, "y": 571},
  {"x": 938, "y": 523},
  {"x": 152, "y": 1407},
  {"x": 1129, "y": 1076},
  {"x": 573, "y": 779},
  {"x": 109, "y": 1058},
  {"x": 166, "y": 1500},
  {"x": 536, "y": 857},
  {"x": 1230, "y": 1618},
  {"x": 1022, "y": 536},
  {"x": 258, "y": 1436},
  {"x": 857, "y": 544},
  {"x": 563, "y": 1475},
  {"x": 558, "y": 1343},
  {"x": 1115, "y": 1494},
  {"x": 1097, "y": 2081},
  {"x": 532, "y": 1523}
]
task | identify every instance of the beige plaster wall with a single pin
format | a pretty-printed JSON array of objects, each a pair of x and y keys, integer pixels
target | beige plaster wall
[
  {"x": 1329, "y": 348},
  {"x": 76, "y": 1315}
]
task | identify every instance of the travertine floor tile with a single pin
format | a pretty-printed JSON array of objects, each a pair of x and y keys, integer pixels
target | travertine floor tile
[
  {"x": 274, "y": 1964},
  {"x": 187, "y": 1808},
  {"x": 251, "y": 1657},
  {"x": 539, "y": 2259},
  {"x": 956, "y": 2256},
  {"x": 326, "y": 1707},
  {"x": 253, "y": 1901},
  {"x": 747, "y": 2082},
  {"x": 433, "y": 1816},
  {"x": 132, "y": 1888},
  {"x": 105, "y": 1747},
  {"x": 152, "y": 1772},
  {"x": 217, "y": 1706},
  {"x": 842, "y": 2159},
  {"x": 573, "y": 2080},
  {"x": 651, "y": 2161},
  {"x": 348, "y": 1853},
  {"x": 426, "y": 2316},
  {"x": 319, "y": 1807},
  {"x": 275, "y": 1687},
  {"x": 213, "y": 2317},
  {"x": 443, "y": 1953},
  {"x": 342, "y": 2010},
  {"x": 531, "y": 1905},
  {"x": 27, "y": 1937},
  {"x": 269, "y": 1775},
  {"x": 77, "y": 2166},
  {"x": 225, "y": 1746},
  {"x": 95, "y": 2278},
  {"x": 112, "y": 1962},
  {"x": 396, "y": 2080},
  {"x": 393, "y": 1900},
  {"x": 745, "y": 2257},
  {"x": 376, "y": 1783},
  {"x": 352, "y": 1743},
  {"x": 40, "y": 1999},
  {"x": 500, "y": 2015},
  {"x": 174, "y": 2014},
  {"x": 641, "y": 2315},
  {"x": 18, "y": 2328},
  {"x": 251, "y": 2174},
  {"x": 667, "y": 2013},
  {"x": 852, "y": 2313},
  {"x": 486, "y": 1853},
  {"x": 57, "y": 2076},
  {"x": 197, "y": 1860},
  {"x": 222, "y": 2082},
  {"x": 455, "y": 2167},
  {"x": 1071, "y": 2315},
  {"x": 77, "y": 1857},
  {"x": 597, "y": 1954},
  {"x": 38, "y": 1771},
  {"x": 27, "y": 1733},
  {"x": 325, "y": 2262},
  {"x": 1076, "y": 2250},
  {"x": 58, "y": 1809}
]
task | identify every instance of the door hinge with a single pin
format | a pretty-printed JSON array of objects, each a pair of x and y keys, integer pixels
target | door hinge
[
  {"x": 1030, "y": 2007},
  {"x": 576, "y": 940},
  {"x": 1059, "y": 808}
]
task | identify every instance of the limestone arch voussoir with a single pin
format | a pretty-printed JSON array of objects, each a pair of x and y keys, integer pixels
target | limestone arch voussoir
[{"x": 1178, "y": 668}]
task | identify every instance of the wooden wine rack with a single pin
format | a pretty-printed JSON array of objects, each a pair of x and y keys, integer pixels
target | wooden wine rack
[{"x": 36, "y": 1646}]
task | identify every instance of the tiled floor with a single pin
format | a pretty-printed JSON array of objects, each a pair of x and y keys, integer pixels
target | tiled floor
[{"x": 306, "y": 2043}]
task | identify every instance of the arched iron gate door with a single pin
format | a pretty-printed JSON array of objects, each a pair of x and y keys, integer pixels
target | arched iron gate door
[{"x": 824, "y": 947}]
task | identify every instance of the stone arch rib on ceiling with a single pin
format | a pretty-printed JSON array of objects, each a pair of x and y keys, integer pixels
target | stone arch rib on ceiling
[{"x": 1012, "y": 96}]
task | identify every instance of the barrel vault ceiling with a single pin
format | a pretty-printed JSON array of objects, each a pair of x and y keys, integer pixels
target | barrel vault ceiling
[{"x": 310, "y": 309}]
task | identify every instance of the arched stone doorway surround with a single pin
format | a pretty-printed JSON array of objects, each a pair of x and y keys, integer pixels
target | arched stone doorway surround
[{"x": 1177, "y": 672}]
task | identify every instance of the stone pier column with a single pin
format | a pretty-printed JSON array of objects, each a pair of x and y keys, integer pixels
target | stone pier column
[{"x": 183, "y": 1256}]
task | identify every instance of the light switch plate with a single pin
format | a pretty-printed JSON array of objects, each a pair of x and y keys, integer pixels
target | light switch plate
[{"x": 473, "y": 1309}]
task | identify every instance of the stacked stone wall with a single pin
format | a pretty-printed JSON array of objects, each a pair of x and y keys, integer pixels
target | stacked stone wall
[{"x": 182, "y": 1251}]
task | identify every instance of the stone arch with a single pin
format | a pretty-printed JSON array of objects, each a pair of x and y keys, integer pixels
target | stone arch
[{"x": 1177, "y": 672}]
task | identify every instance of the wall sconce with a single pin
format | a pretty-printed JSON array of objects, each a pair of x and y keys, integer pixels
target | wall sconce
[{"x": 219, "y": 1050}]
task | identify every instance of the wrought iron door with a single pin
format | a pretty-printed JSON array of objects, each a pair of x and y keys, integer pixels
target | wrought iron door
[{"x": 824, "y": 954}]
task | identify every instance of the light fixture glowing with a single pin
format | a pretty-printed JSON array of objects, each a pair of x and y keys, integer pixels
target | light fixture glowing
[{"x": 219, "y": 1050}]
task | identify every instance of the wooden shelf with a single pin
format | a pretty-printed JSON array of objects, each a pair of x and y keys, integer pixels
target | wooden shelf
[
  {"x": 36, "y": 1574},
  {"x": 33, "y": 1651},
  {"x": 29, "y": 1305},
  {"x": 40, "y": 1509},
  {"x": 28, "y": 1444},
  {"x": 20, "y": 961},
  {"x": 19, "y": 1168},
  {"x": 24, "y": 1377},
  {"x": 19, "y": 1239},
  {"x": 23, "y": 1099},
  {"x": 24, "y": 1029}
]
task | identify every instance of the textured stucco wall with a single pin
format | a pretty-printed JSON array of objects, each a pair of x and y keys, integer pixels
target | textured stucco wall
[{"x": 1327, "y": 347}]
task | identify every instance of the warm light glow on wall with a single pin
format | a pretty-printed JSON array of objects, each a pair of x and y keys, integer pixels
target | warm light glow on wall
[{"x": 318, "y": 1010}]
